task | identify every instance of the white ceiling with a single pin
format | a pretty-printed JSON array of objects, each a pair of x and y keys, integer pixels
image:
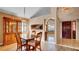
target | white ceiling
[
  {"x": 29, "y": 11},
  {"x": 72, "y": 14},
  {"x": 19, "y": 11}
]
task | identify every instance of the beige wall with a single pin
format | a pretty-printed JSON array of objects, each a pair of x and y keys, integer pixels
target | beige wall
[
  {"x": 57, "y": 30},
  {"x": 77, "y": 29},
  {"x": 70, "y": 16},
  {"x": 1, "y": 30}
]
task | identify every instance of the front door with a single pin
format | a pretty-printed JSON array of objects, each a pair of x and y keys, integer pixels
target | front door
[{"x": 66, "y": 29}]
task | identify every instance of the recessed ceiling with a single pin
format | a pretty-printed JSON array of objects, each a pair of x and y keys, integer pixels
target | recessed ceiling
[{"x": 30, "y": 12}]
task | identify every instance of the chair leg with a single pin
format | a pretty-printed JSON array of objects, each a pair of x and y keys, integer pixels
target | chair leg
[
  {"x": 40, "y": 47},
  {"x": 21, "y": 48},
  {"x": 17, "y": 48}
]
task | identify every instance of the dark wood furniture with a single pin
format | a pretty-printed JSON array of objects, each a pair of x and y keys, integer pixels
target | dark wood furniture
[
  {"x": 35, "y": 44},
  {"x": 38, "y": 41},
  {"x": 69, "y": 29},
  {"x": 20, "y": 42},
  {"x": 12, "y": 25},
  {"x": 66, "y": 29}
]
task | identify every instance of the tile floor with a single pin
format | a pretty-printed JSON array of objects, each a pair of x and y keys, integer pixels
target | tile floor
[
  {"x": 54, "y": 47},
  {"x": 46, "y": 46}
]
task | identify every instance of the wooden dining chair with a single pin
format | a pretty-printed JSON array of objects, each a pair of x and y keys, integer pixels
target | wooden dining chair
[
  {"x": 20, "y": 42},
  {"x": 36, "y": 44},
  {"x": 38, "y": 41}
]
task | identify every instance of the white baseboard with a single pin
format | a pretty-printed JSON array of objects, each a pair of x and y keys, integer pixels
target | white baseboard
[
  {"x": 68, "y": 46},
  {"x": 64, "y": 45}
]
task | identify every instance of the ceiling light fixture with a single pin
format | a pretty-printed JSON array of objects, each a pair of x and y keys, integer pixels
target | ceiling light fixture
[{"x": 67, "y": 9}]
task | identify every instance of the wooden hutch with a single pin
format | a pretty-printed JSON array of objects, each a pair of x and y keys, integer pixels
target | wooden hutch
[{"x": 12, "y": 26}]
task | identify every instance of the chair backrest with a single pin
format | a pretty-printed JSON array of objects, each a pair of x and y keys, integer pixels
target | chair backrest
[
  {"x": 38, "y": 38},
  {"x": 18, "y": 39},
  {"x": 33, "y": 34}
]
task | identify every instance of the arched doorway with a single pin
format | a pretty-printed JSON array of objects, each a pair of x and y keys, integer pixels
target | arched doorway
[{"x": 50, "y": 30}]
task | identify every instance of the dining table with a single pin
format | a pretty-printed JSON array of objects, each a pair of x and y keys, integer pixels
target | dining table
[{"x": 28, "y": 40}]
